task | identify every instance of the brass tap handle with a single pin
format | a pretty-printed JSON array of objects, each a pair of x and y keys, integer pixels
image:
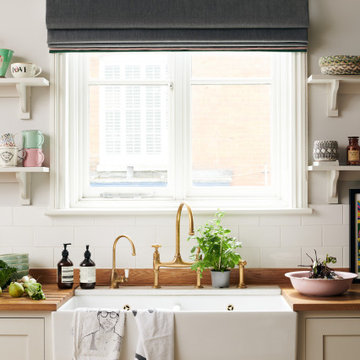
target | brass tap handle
[
  {"x": 156, "y": 246},
  {"x": 241, "y": 284}
]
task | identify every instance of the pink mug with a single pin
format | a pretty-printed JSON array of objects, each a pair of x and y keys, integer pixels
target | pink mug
[{"x": 33, "y": 158}]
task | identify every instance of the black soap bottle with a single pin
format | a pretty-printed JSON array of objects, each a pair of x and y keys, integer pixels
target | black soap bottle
[
  {"x": 65, "y": 271},
  {"x": 87, "y": 271}
]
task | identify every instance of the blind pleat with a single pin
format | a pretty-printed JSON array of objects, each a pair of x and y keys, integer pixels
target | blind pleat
[{"x": 177, "y": 24}]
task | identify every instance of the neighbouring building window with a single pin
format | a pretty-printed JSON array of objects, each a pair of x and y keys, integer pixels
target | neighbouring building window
[{"x": 219, "y": 129}]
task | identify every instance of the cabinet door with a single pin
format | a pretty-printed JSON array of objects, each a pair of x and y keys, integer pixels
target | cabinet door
[
  {"x": 332, "y": 339},
  {"x": 22, "y": 339}
]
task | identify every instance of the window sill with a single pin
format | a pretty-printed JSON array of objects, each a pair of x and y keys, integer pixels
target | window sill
[{"x": 171, "y": 210}]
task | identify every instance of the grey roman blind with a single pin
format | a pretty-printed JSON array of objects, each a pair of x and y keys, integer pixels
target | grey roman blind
[{"x": 84, "y": 25}]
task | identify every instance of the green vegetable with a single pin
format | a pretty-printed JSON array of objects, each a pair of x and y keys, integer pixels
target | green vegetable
[
  {"x": 6, "y": 273},
  {"x": 16, "y": 289},
  {"x": 34, "y": 290},
  {"x": 217, "y": 247}
]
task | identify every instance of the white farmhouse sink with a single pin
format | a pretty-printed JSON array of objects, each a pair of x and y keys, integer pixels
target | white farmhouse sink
[{"x": 262, "y": 326}]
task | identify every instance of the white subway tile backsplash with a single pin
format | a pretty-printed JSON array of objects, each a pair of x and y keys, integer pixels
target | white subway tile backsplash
[
  {"x": 259, "y": 236},
  {"x": 346, "y": 214},
  {"x": 324, "y": 214},
  {"x": 298, "y": 236},
  {"x": 280, "y": 257},
  {"x": 164, "y": 220},
  {"x": 39, "y": 257},
  {"x": 53, "y": 236},
  {"x": 321, "y": 254},
  {"x": 31, "y": 216},
  {"x": 285, "y": 220},
  {"x": 144, "y": 257},
  {"x": 124, "y": 259},
  {"x": 73, "y": 220},
  {"x": 16, "y": 236},
  {"x": 251, "y": 256},
  {"x": 267, "y": 240},
  {"x": 346, "y": 256},
  {"x": 99, "y": 236},
  {"x": 6, "y": 216},
  {"x": 5, "y": 250},
  {"x": 336, "y": 235},
  {"x": 118, "y": 220}
]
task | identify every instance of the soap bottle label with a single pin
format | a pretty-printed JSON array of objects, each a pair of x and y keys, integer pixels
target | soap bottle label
[
  {"x": 353, "y": 155},
  {"x": 87, "y": 274},
  {"x": 67, "y": 274}
]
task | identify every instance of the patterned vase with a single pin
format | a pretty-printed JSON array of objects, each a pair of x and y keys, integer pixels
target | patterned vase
[{"x": 325, "y": 150}]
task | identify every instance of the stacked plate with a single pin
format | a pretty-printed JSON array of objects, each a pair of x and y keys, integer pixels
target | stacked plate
[{"x": 18, "y": 261}]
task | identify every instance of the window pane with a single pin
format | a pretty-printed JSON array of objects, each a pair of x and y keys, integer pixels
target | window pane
[
  {"x": 231, "y": 135},
  {"x": 128, "y": 124},
  {"x": 128, "y": 66},
  {"x": 231, "y": 65}
]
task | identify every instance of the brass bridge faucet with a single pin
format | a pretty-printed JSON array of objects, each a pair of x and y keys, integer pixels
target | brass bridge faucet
[
  {"x": 177, "y": 262},
  {"x": 117, "y": 279}
]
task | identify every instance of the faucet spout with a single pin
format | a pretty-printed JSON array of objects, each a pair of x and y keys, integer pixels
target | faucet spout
[
  {"x": 177, "y": 262},
  {"x": 191, "y": 226},
  {"x": 115, "y": 279}
]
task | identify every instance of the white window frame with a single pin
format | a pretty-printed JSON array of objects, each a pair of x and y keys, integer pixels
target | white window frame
[{"x": 66, "y": 145}]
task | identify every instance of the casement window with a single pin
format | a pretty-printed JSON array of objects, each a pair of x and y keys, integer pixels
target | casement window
[{"x": 136, "y": 130}]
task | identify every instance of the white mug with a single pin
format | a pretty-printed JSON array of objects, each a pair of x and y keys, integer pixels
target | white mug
[
  {"x": 23, "y": 70},
  {"x": 9, "y": 156}
]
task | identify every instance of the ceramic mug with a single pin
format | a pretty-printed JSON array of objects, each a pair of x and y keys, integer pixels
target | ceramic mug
[
  {"x": 7, "y": 139},
  {"x": 23, "y": 70},
  {"x": 5, "y": 58},
  {"x": 33, "y": 158},
  {"x": 9, "y": 156},
  {"x": 32, "y": 139}
]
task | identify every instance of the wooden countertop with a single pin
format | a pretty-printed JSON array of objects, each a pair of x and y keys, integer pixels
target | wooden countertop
[
  {"x": 348, "y": 301},
  {"x": 54, "y": 299}
]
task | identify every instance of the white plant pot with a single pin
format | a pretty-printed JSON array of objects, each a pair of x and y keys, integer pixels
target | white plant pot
[{"x": 220, "y": 279}]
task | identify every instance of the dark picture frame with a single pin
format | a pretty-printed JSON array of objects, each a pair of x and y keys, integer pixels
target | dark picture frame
[{"x": 354, "y": 200}]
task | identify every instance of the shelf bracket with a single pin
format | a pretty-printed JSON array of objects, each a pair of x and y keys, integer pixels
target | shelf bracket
[
  {"x": 333, "y": 177},
  {"x": 24, "y": 180},
  {"x": 333, "y": 89},
  {"x": 24, "y": 101}
]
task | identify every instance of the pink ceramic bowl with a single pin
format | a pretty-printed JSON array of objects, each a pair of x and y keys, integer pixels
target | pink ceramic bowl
[{"x": 320, "y": 287}]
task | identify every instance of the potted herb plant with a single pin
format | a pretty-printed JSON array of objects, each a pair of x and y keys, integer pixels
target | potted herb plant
[{"x": 217, "y": 251}]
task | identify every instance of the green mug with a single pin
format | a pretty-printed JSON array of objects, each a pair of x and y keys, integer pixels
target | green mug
[
  {"x": 5, "y": 58},
  {"x": 32, "y": 139}
]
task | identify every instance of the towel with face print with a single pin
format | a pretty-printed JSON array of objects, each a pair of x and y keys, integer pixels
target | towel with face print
[
  {"x": 98, "y": 334},
  {"x": 156, "y": 334}
]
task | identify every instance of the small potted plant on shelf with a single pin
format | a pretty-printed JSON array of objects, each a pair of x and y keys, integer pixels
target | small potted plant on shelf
[{"x": 217, "y": 251}]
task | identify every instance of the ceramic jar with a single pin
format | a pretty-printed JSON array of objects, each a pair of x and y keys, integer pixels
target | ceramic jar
[{"x": 325, "y": 150}]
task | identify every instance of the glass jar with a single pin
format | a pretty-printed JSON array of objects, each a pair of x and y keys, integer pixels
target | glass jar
[{"x": 353, "y": 151}]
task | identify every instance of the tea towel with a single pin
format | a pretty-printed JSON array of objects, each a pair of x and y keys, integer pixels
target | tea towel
[
  {"x": 156, "y": 334},
  {"x": 98, "y": 334}
]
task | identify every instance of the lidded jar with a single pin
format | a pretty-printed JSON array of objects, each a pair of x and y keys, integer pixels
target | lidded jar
[{"x": 353, "y": 151}]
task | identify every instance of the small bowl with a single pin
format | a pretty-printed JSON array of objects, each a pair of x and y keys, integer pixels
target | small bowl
[{"x": 320, "y": 287}]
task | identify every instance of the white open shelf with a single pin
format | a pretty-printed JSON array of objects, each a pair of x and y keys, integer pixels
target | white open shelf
[
  {"x": 333, "y": 83},
  {"x": 23, "y": 177},
  {"x": 334, "y": 172},
  {"x": 21, "y": 88}
]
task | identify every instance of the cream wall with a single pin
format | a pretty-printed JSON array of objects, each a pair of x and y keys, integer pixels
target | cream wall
[{"x": 268, "y": 241}]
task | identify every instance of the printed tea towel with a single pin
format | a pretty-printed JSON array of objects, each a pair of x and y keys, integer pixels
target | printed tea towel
[
  {"x": 156, "y": 334},
  {"x": 98, "y": 334}
]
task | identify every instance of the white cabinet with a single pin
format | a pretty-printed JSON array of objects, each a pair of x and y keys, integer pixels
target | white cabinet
[
  {"x": 329, "y": 336},
  {"x": 22, "y": 338},
  {"x": 26, "y": 332}
]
